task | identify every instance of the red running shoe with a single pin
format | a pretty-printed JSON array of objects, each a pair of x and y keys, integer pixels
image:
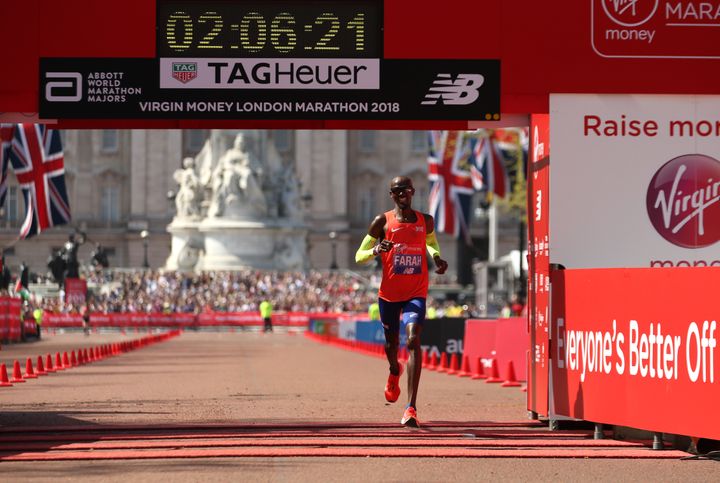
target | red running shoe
[
  {"x": 392, "y": 388},
  {"x": 410, "y": 419}
]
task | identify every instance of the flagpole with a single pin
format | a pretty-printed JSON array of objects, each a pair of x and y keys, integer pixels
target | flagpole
[{"x": 492, "y": 232}]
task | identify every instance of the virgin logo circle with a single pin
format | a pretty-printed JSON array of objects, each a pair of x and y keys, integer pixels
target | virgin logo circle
[
  {"x": 630, "y": 13},
  {"x": 683, "y": 201}
]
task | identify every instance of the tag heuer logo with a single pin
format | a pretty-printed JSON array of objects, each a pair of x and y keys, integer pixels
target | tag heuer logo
[{"x": 184, "y": 71}]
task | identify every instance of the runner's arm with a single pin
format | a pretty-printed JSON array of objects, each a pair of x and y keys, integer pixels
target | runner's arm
[
  {"x": 368, "y": 250},
  {"x": 432, "y": 245}
]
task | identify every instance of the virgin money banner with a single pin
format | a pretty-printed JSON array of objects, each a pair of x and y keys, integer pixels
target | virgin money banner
[
  {"x": 178, "y": 320},
  {"x": 635, "y": 180},
  {"x": 63, "y": 320},
  {"x": 638, "y": 348},
  {"x": 539, "y": 263},
  {"x": 75, "y": 291},
  {"x": 14, "y": 317},
  {"x": 10, "y": 308},
  {"x": 4, "y": 318}
]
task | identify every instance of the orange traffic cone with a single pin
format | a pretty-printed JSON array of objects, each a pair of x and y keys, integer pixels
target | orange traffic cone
[
  {"x": 29, "y": 372},
  {"x": 494, "y": 372},
  {"x": 40, "y": 371},
  {"x": 49, "y": 363},
  {"x": 511, "y": 381},
  {"x": 66, "y": 361},
  {"x": 4, "y": 382},
  {"x": 73, "y": 359},
  {"x": 17, "y": 377},
  {"x": 443, "y": 367},
  {"x": 479, "y": 371},
  {"x": 58, "y": 362},
  {"x": 465, "y": 367},
  {"x": 433, "y": 362},
  {"x": 453, "y": 368},
  {"x": 425, "y": 359}
]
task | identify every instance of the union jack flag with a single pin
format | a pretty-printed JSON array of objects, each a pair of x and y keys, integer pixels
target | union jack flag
[
  {"x": 6, "y": 135},
  {"x": 37, "y": 159},
  {"x": 488, "y": 166},
  {"x": 513, "y": 145},
  {"x": 451, "y": 187}
]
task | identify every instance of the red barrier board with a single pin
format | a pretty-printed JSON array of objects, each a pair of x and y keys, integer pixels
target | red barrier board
[
  {"x": 539, "y": 262},
  {"x": 75, "y": 291},
  {"x": 4, "y": 318},
  {"x": 505, "y": 340},
  {"x": 178, "y": 320},
  {"x": 14, "y": 310},
  {"x": 62, "y": 320},
  {"x": 638, "y": 348}
]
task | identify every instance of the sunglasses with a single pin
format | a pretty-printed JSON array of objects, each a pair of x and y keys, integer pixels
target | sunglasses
[{"x": 402, "y": 189}]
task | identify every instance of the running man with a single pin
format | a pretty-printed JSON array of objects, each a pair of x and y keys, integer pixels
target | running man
[{"x": 405, "y": 235}]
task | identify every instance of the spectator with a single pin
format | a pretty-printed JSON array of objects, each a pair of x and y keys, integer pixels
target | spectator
[
  {"x": 516, "y": 305},
  {"x": 374, "y": 311}
]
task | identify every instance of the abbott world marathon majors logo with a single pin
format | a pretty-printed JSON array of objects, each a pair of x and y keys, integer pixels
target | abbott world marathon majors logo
[{"x": 683, "y": 201}]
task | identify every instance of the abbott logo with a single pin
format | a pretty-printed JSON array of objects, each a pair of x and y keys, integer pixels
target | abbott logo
[
  {"x": 630, "y": 13},
  {"x": 69, "y": 89},
  {"x": 461, "y": 91}
]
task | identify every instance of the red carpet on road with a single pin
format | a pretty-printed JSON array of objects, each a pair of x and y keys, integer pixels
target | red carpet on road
[{"x": 442, "y": 439}]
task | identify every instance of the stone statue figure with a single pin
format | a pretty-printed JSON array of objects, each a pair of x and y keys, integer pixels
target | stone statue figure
[
  {"x": 189, "y": 196},
  {"x": 289, "y": 195},
  {"x": 236, "y": 191},
  {"x": 289, "y": 253},
  {"x": 72, "y": 265},
  {"x": 238, "y": 205}
]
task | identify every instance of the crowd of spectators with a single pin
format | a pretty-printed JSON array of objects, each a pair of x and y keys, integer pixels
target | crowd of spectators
[
  {"x": 220, "y": 291},
  {"x": 117, "y": 291}
]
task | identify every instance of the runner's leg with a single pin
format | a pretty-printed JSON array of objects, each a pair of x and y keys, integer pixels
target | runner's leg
[
  {"x": 413, "y": 319},
  {"x": 390, "y": 318},
  {"x": 414, "y": 361}
]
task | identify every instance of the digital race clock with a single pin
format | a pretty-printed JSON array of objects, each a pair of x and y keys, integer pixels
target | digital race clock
[{"x": 269, "y": 28}]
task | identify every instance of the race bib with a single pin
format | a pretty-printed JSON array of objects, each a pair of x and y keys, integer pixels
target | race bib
[{"x": 408, "y": 261}]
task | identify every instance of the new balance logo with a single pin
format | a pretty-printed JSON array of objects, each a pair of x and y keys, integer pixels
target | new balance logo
[{"x": 463, "y": 90}]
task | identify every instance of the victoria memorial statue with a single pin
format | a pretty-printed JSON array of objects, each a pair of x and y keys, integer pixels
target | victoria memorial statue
[{"x": 237, "y": 206}]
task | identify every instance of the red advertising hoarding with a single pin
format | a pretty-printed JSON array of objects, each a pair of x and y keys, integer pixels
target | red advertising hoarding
[
  {"x": 505, "y": 340},
  {"x": 539, "y": 262},
  {"x": 625, "y": 352},
  {"x": 75, "y": 291},
  {"x": 4, "y": 318},
  {"x": 656, "y": 29},
  {"x": 534, "y": 59}
]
